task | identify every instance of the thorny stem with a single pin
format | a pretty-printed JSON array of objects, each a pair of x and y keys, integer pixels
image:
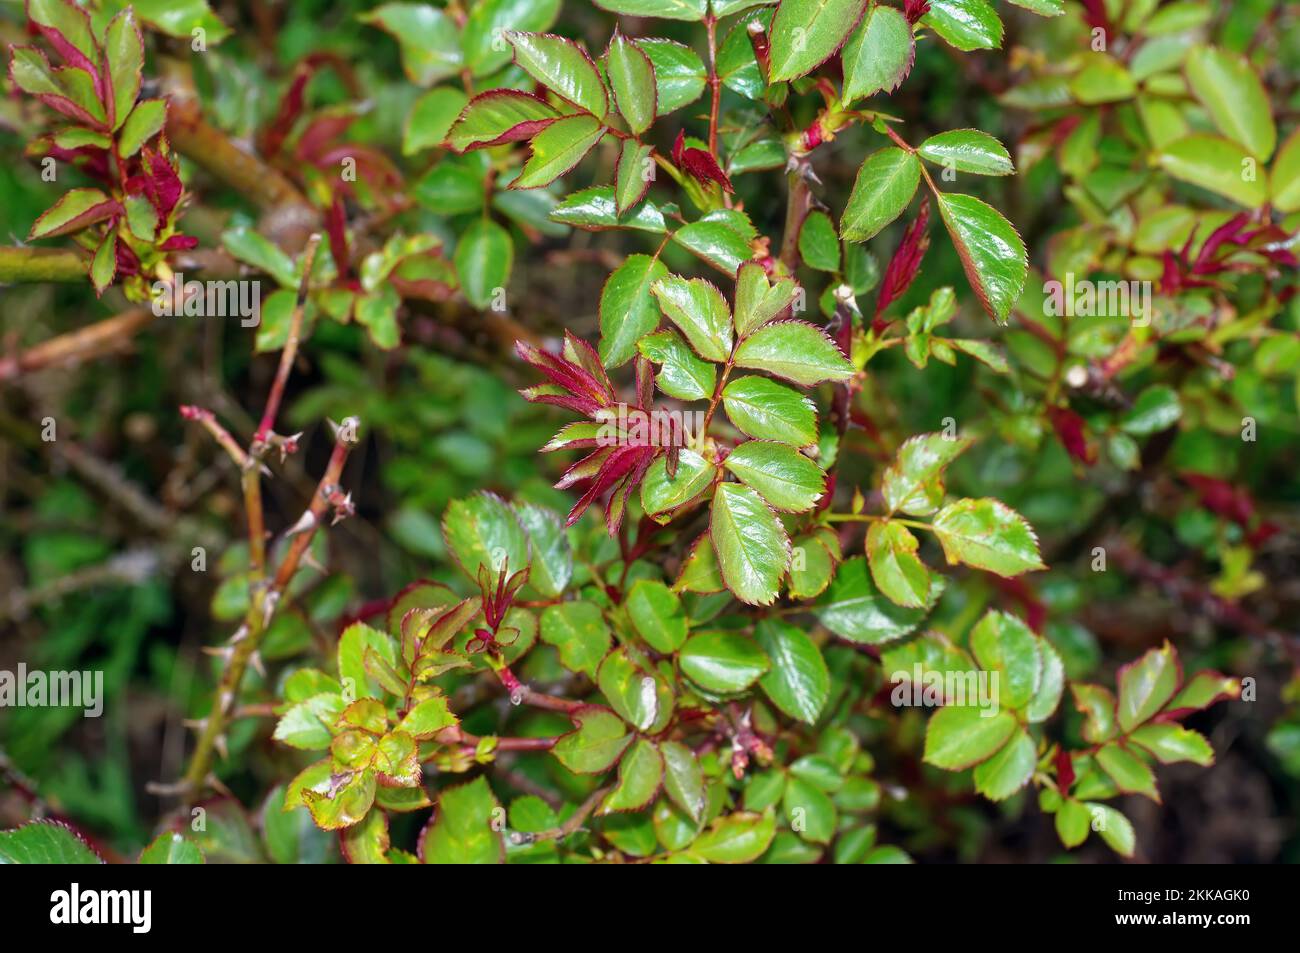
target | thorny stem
[
  {"x": 570, "y": 826},
  {"x": 715, "y": 83},
  {"x": 92, "y": 341},
  {"x": 290, "y": 352}
]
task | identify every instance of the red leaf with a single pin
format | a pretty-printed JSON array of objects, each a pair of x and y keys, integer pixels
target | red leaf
[
  {"x": 1073, "y": 434},
  {"x": 699, "y": 164},
  {"x": 905, "y": 264}
]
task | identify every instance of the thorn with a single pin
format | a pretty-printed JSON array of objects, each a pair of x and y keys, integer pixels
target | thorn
[
  {"x": 219, "y": 743},
  {"x": 222, "y": 652},
  {"x": 214, "y": 782},
  {"x": 240, "y": 634},
  {"x": 197, "y": 724},
  {"x": 255, "y": 660},
  {"x": 305, "y": 522},
  {"x": 167, "y": 788}
]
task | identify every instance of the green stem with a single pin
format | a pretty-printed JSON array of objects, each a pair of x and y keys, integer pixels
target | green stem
[
  {"x": 42, "y": 264},
  {"x": 871, "y": 518}
]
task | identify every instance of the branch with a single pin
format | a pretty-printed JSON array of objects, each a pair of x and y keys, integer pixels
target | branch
[
  {"x": 86, "y": 343},
  {"x": 42, "y": 264},
  {"x": 290, "y": 353}
]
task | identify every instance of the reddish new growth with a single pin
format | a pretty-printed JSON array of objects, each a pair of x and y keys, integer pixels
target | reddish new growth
[
  {"x": 905, "y": 264},
  {"x": 915, "y": 9},
  {"x": 621, "y": 457},
  {"x": 1073, "y": 434},
  {"x": 1235, "y": 235},
  {"x": 1232, "y": 503},
  {"x": 497, "y": 599},
  {"x": 699, "y": 164}
]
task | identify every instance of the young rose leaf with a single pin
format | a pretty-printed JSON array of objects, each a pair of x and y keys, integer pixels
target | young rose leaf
[
  {"x": 484, "y": 257},
  {"x": 683, "y": 375},
  {"x": 145, "y": 122},
  {"x": 787, "y": 480},
  {"x": 764, "y": 409},
  {"x": 884, "y": 187},
  {"x": 628, "y": 311},
  {"x": 913, "y": 483},
  {"x": 968, "y": 150},
  {"x": 483, "y": 531},
  {"x": 656, "y": 614},
  {"x": 1009, "y": 770},
  {"x": 598, "y": 742},
  {"x": 699, "y": 311},
  {"x": 551, "y": 566},
  {"x": 757, "y": 300},
  {"x": 661, "y": 495},
  {"x": 1073, "y": 822},
  {"x": 579, "y": 632},
  {"x": 962, "y": 736},
  {"x": 74, "y": 211},
  {"x": 171, "y": 848},
  {"x": 736, "y": 838},
  {"x": 68, "y": 28},
  {"x": 752, "y": 548},
  {"x": 684, "y": 779},
  {"x": 965, "y": 24},
  {"x": 557, "y": 149},
  {"x": 689, "y": 10},
  {"x": 722, "y": 662},
  {"x": 45, "y": 842},
  {"x": 335, "y": 806},
  {"x": 1157, "y": 408},
  {"x": 879, "y": 54},
  {"x": 595, "y": 209},
  {"x": 1170, "y": 743},
  {"x": 1204, "y": 689},
  {"x": 854, "y": 609},
  {"x": 1146, "y": 684},
  {"x": 798, "y": 681},
  {"x": 897, "y": 570},
  {"x": 368, "y": 842},
  {"x": 1050, "y": 686},
  {"x": 307, "y": 724},
  {"x": 1130, "y": 773},
  {"x": 104, "y": 265},
  {"x": 124, "y": 50},
  {"x": 498, "y": 116},
  {"x": 987, "y": 534},
  {"x": 640, "y": 773},
  {"x": 1113, "y": 827},
  {"x": 700, "y": 571},
  {"x": 818, "y": 245},
  {"x": 429, "y": 39},
  {"x": 1228, "y": 87},
  {"x": 1284, "y": 182},
  {"x": 563, "y": 67},
  {"x": 463, "y": 829},
  {"x": 1003, "y": 644},
  {"x": 431, "y": 119},
  {"x": 480, "y": 42},
  {"x": 798, "y": 351},
  {"x": 991, "y": 252},
  {"x": 680, "y": 75},
  {"x": 803, "y": 802},
  {"x": 640, "y": 696},
  {"x": 632, "y": 78},
  {"x": 1098, "y": 707},
  {"x": 715, "y": 242},
  {"x": 1214, "y": 163},
  {"x": 811, "y": 568},
  {"x": 806, "y": 33},
  {"x": 633, "y": 175},
  {"x": 427, "y": 718}
]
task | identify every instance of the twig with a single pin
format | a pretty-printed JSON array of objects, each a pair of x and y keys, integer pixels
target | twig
[
  {"x": 92, "y": 341},
  {"x": 42, "y": 264},
  {"x": 290, "y": 352}
]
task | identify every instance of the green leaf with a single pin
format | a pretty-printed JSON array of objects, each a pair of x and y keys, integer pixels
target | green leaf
[
  {"x": 811, "y": 813},
  {"x": 1102, "y": 80},
  {"x": 913, "y": 483},
  {"x": 965, "y": 24},
  {"x": 104, "y": 265},
  {"x": 1157, "y": 408},
  {"x": 752, "y": 548},
  {"x": 722, "y": 662},
  {"x": 987, "y": 534},
  {"x": 598, "y": 742},
  {"x": 767, "y": 410},
  {"x": 806, "y": 33},
  {"x": 641, "y": 697},
  {"x": 1098, "y": 707},
  {"x": 180, "y": 18},
  {"x": 171, "y": 848},
  {"x": 1216, "y": 164},
  {"x": 818, "y": 245},
  {"x": 1145, "y": 685},
  {"x": 1130, "y": 773},
  {"x": 990, "y": 249},
  {"x": 883, "y": 188},
  {"x": 968, "y": 150},
  {"x": 639, "y": 775},
  {"x": 1003, "y": 644},
  {"x": 680, "y": 75},
  {"x": 699, "y": 311},
  {"x": 757, "y": 300},
  {"x": 464, "y": 829},
  {"x": 785, "y": 478},
  {"x": 377, "y": 313},
  {"x": 962, "y": 736},
  {"x": 683, "y": 375},
  {"x": 684, "y": 779},
  {"x": 497, "y": 116},
  {"x": 251, "y": 247},
  {"x": 879, "y": 54},
  {"x": 1009, "y": 769},
  {"x": 307, "y": 724},
  {"x": 69, "y": 19},
  {"x": 1284, "y": 185},
  {"x": 1050, "y": 686},
  {"x": 75, "y": 210},
  {"x": 736, "y": 838},
  {"x": 124, "y": 50},
  {"x": 482, "y": 530},
  {"x": 897, "y": 570},
  {"x": 854, "y": 609},
  {"x": 1170, "y": 743},
  {"x": 429, "y": 39},
  {"x": 44, "y": 842},
  {"x": 661, "y": 495},
  {"x": 484, "y": 257},
  {"x": 431, "y": 119},
  {"x": 657, "y": 615},
  {"x": 145, "y": 122},
  {"x": 1073, "y": 822},
  {"x": 427, "y": 718},
  {"x": 811, "y": 568},
  {"x": 579, "y": 631},
  {"x": 563, "y": 67},
  {"x": 1046, "y": 8},
  {"x": 716, "y": 243},
  {"x": 1204, "y": 690},
  {"x": 798, "y": 351},
  {"x": 798, "y": 681},
  {"x": 1228, "y": 87},
  {"x": 368, "y": 842},
  {"x": 631, "y": 178},
  {"x": 1113, "y": 827},
  {"x": 481, "y": 40},
  {"x": 557, "y": 149},
  {"x": 689, "y": 10},
  {"x": 632, "y": 78},
  {"x": 551, "y": 566},
  {"x": 595, "y": 209}
]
